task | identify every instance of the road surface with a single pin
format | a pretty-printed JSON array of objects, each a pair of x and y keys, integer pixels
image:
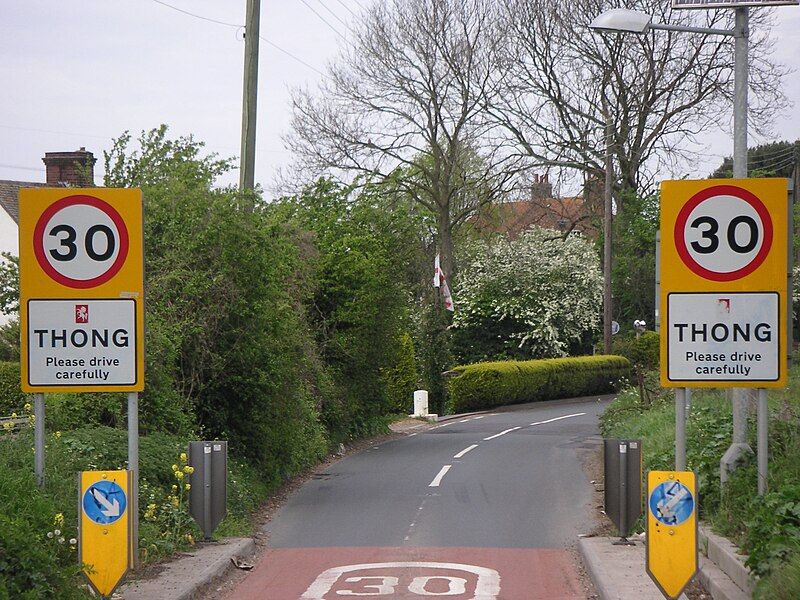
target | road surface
[{"x": 483, "y": 507}]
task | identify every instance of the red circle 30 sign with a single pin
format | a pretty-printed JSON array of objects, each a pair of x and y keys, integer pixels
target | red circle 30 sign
[
  {"x": 80, "y": 241},
  {"x": 723, "y": 233}
]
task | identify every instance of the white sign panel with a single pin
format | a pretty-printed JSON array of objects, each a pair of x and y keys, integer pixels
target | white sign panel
[
  {"x": 82, "y": 342},
  {"x": 724, "y": 336}
]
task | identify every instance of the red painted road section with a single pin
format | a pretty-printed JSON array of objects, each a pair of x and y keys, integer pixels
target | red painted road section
[{"x": 412, "y": 573}]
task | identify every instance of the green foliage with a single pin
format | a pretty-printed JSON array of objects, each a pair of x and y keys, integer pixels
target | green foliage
[
  {"x": 9, "y": 341},
  {"x": 484, "y": 385},
  {"x": 776, "y": 159},
  {"x": 536, "y": 296},
  {"x": 9, "y": 283},
  {"x": 30, "y": 560},
  {"x": 402, "y": 379},
  {"x": 766, "y": 528},
  {"x": 642, "y": 350},
  {"x": 360, "y": 302},
  {"x": 67, "y": 411},
  {"x": 226, "y": 335},
  {"x": 782, "y": 584},
  {"x": 633, "y": 272},
  {"x": 12, "y": 399}
]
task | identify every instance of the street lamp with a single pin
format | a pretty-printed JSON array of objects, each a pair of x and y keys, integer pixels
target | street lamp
[{"x": 631, "y": 21}]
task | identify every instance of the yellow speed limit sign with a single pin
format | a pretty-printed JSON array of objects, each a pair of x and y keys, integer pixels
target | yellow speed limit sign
[
  {"x": 81, "y": 290},
  {"x": 672, "y": 559},
  {"x": 104, "y": 535},
  {"x": 724, "y": 272}
]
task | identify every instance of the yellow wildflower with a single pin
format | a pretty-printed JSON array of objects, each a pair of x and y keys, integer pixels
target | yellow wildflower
[
  {"x": 179, "y": 474},
  {"x": 174, "y": 467},
  {"x": 188, "y": 470},
  {"x": 188, "y": 487},
  {"x": 59, "y": 519},
  {"x": 183, "y": 457},
  {"x": 28, "y": 407}
]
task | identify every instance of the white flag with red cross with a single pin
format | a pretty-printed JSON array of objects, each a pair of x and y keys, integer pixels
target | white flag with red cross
[{"x": 440, "y": 281}]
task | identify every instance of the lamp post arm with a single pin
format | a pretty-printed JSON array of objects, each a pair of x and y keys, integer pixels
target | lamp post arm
[{"x": 728, "y": 32}]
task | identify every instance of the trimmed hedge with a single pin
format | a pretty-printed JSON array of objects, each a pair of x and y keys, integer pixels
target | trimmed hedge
[{"x": 484, "y": 385}]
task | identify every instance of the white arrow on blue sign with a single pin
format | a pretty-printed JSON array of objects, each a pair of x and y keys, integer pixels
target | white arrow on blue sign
[{"x": 104, "y": 502}]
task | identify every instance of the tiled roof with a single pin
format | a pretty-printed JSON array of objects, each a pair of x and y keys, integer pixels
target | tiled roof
[
  {"x": 559, "y": 214},
  {"x": 9, "y": 195}
]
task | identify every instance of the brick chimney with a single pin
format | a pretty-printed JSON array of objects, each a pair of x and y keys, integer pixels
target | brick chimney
[
  {"x": 541, "y": 188},
  {"x": 72, "y": 169}
]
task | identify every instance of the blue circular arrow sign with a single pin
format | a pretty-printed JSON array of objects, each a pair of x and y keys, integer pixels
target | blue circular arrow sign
[
  {"x": 671, "y": 503},
  {"x": 104, "y": 502}
]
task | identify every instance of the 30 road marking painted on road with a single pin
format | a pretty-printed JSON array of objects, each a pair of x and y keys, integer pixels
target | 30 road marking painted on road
[
  {"x": 465, "y": 450},
  {"x": 438, "y": 479},
  {"x": 557, "y": 419},
  {"x": 497, "y": 435},
  {"x": 382, "y": 579}
]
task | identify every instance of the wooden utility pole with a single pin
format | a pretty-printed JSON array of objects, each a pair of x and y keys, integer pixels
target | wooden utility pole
[{"x": 250, "y": 96}]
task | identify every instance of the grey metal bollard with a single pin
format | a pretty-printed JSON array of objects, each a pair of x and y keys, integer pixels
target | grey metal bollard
[
  {"x": 208, "y": 496},
  {"x": 623, "y": 484}
]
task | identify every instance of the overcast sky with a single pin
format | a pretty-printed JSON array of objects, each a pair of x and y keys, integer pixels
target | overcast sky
[{"x": 80, "y": 72}]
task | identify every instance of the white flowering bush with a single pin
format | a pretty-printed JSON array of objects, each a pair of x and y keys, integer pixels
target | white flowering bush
[{"x": 536, "y": 296}]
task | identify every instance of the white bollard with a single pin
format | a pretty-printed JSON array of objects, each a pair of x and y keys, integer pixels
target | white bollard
[{"x": 421, "y": 403}]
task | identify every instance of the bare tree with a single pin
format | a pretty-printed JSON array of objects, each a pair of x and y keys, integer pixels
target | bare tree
[
  {"x": 406, "y": 100},
  {"x": 662, "y": 90}
]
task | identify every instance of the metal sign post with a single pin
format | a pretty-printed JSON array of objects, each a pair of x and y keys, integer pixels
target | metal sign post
[{"x": 82, "y": 303}]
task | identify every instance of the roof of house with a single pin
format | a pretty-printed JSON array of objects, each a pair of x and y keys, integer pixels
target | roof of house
[
  {"x": 9, "y": 195},
  {"x": 559, "y": 214}
]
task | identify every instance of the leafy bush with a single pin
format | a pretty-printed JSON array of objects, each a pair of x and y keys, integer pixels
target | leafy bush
[
  {"x": 12, "y": 399},
  {"x": 402, "y": 379},
  {"x": 643, "y": 350},
  {"x": 484, "y": 385},
  {"x": 229, "y": 350},
  {"x": 782, "y": 584},
  {"x": 537, "y": 296},
  {"x": 767, "y": 528}
]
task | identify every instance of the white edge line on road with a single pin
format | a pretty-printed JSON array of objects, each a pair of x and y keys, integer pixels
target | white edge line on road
[
  {"x": 497, "y": 435},
  {"x": 438, "y": 479},
  {"x": 476, "y": 418},
  {"x": 464, "y": 420},
  {"x": 557, "y": 419},
  {"x": 465, "y": 450}
]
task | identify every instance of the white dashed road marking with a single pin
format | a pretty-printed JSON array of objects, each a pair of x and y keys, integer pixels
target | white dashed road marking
[
  {"x": 438, "y": 479},
  {"x": 558, "y": 419},
  {"x": 465, "y": 450},
  {"x": 497, "y": 435}
]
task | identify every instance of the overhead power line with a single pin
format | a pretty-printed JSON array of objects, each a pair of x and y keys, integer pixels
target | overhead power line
[
  {"x": 289, "y": 54},
  {"x": 323, "y": 19},
  {"x": 335, "y": 16},
  {"x": 350, "y": 10},
  {"x": 191, "y": 14},
  {"x": 240, "y": 26}
]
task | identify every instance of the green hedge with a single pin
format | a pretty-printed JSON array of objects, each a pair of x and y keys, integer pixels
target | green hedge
[
  {"x": 11, "y": 397},
  {"x": 484, "y": 385},
  {"x": 643, "y": 350}
]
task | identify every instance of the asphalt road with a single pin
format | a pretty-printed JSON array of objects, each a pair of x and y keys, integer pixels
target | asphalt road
[{"x": 482, "y": 507}]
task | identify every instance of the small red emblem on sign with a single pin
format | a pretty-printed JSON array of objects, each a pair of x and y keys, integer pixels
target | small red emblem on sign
[{"x": 81, "y": 313}]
